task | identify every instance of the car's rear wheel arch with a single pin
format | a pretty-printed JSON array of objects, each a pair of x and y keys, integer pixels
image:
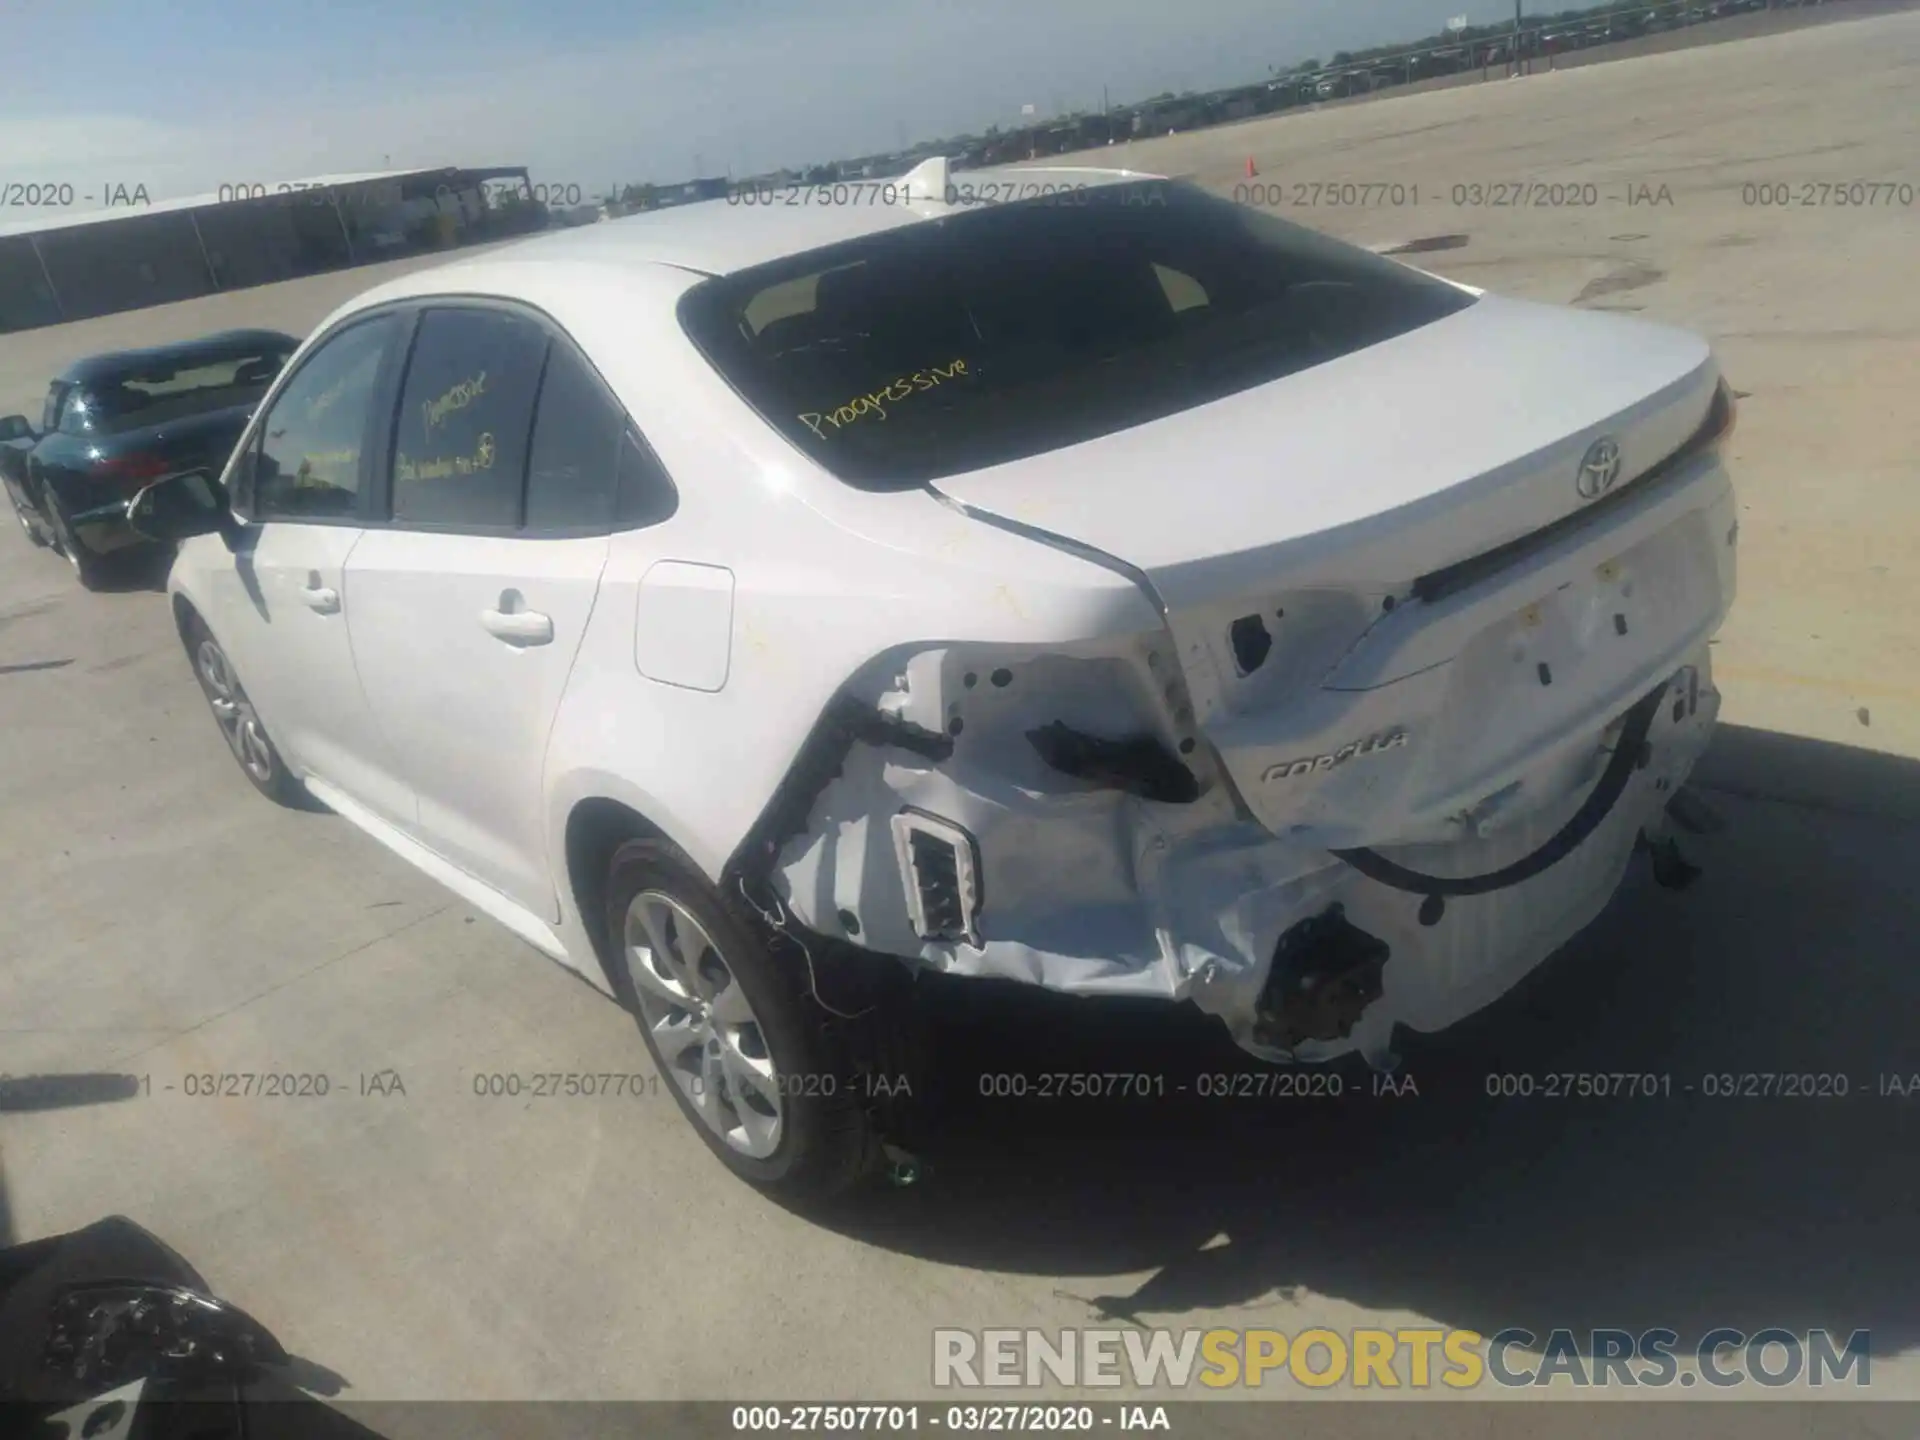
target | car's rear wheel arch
[{"x": 597, "y": 827}]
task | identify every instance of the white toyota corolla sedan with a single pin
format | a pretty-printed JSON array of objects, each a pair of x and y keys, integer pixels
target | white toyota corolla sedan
[{"x": 1063, "y": 576}]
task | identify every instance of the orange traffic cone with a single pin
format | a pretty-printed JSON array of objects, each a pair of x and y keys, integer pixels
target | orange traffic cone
[{"x": 1251, "y": 172}]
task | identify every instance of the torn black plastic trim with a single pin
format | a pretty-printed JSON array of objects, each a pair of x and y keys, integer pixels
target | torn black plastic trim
[
  {"x": 1628, "y": 754},
  {"x": 1140, "y": 766},
  {"x": 844, "y": 723}
]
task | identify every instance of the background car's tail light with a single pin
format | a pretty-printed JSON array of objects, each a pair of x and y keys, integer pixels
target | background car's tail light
[
  {"x": 131, "y": 472},
  {"x": 940, "y": 864}
]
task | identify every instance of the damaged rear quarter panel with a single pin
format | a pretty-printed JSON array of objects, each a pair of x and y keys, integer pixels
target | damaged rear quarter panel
[
  {"x": 1087, "y": 884},
  {"x": 826, "y": 580}
]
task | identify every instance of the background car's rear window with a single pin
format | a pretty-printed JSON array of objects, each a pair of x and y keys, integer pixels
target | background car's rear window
[
  {"x": 1000, "y": 332},
  {"x": 190, "y": 385}
]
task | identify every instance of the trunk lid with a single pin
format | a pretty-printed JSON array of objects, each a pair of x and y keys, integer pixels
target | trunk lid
[
  {"x": 1283, "y": 530},
  {"x": 1380, "y": 466}
]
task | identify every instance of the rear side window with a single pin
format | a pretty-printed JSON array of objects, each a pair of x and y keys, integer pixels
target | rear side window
[
  {"x": 466, "y": 414},
  {"x": 999, "y": 332},
  {"x": 647, "y": 493},
  {"x": 573, "y": 470}
]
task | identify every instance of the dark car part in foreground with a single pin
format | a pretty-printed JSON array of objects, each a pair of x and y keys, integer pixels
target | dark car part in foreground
[
  {"x": 107, "y": 1332},
  {"x": 114, "y": 423}
]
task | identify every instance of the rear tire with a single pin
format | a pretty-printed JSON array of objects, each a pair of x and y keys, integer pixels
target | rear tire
[
  {"x": 240, "y": 724},
  {"x": 87, "y": 566},
  {"x": 31, "y": 523},
  {"x": 760, "y": 1069}
]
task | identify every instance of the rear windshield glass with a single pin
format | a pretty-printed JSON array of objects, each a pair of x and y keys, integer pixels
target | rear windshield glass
[
  {"x": 150, "y": 396},
  {"x": 1002, "y": 331}
]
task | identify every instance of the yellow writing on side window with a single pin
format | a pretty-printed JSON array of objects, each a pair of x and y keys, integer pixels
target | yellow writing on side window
[
  {"x": 435, "y": 412},
  {"x": 875, "y": 402},
  {"x": 481, "y": 459}
]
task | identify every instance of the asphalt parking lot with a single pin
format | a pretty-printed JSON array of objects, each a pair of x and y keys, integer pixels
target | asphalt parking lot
[{"x": 161, "y": 921}]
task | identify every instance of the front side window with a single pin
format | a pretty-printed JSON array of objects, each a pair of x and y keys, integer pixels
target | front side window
[
  {"x": 998, "y": 332},
  {"x": 466, "y": 413},
  {"x": 311, "y": 440}
]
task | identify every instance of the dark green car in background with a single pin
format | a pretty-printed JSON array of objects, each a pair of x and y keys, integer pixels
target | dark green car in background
[{"x": 114, "y": 423}]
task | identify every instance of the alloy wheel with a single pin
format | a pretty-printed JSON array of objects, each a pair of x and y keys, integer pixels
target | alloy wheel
[
  {"x": 706, "y": 1032},
  {"x": 235, "y": 714}
]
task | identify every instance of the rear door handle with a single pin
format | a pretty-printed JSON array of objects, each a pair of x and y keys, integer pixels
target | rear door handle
[
  {"x": 519, "y": 627},
  {"x": 322, "y": 599}
]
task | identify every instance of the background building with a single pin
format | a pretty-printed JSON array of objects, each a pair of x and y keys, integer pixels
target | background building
[{"x": 135, "y": 252}]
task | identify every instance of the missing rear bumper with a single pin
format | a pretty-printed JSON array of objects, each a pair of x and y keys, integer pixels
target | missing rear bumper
[{"x": 974, "y": 859}]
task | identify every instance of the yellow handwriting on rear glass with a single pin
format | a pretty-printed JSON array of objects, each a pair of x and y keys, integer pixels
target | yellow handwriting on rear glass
[{"x": 875, "y": 402}]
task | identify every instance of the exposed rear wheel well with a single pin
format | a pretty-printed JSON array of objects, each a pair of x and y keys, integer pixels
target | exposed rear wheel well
[{"x": 596, "y": 829}]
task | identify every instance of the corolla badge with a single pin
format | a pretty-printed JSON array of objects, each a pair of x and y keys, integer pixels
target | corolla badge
[
  {"x": 1316, "y": 764},
  {"x": 1599, "y": 468}
]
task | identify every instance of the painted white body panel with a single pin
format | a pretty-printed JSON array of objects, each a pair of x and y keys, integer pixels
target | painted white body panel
[
  {"x": 458, "y": 699},
  {"x": 683, "y": 630},
  {"x": 1374, "y": 467},
  {"x": 692, "y": 658},
  {"x": 298, "y": 659}
]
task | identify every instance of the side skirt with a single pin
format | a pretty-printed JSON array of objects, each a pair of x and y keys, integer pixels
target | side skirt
[{"x": 488, "y": 901}]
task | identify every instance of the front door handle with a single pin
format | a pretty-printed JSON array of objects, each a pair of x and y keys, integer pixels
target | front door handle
[
  {"x": 519, "y": 627},
  {"x": 322, "y": 599}
]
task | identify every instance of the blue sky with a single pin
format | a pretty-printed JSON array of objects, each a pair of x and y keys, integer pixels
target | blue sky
[{"x": 186, "y": 95}]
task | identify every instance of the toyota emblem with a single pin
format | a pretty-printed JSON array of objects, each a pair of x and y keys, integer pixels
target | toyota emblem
[{"x": 1599, "y": 469}]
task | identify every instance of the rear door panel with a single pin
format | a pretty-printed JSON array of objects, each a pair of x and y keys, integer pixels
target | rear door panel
[
  {"x": 468, "y": 711},
  {"x": 472, "y": 589}
]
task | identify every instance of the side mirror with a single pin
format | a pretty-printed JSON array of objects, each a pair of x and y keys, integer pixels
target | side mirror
[
  {"x": 16, "y": 427},
  {"x": 178, "y": 507}
]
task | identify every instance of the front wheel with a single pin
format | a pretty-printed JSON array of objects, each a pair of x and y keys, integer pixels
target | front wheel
[
  {"x": 754, "y": 1061},
  {"x": 239, "y": 722}
]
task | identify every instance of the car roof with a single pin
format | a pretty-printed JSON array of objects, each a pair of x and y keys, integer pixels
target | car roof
[
  {"x": 226, "y": 344},
  {"x": 721, "y": 237}
]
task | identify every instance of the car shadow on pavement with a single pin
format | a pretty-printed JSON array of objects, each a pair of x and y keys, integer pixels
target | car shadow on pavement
[
  {"x": 144, "y": 568},
  {"x": 1792, "y": 956}
]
